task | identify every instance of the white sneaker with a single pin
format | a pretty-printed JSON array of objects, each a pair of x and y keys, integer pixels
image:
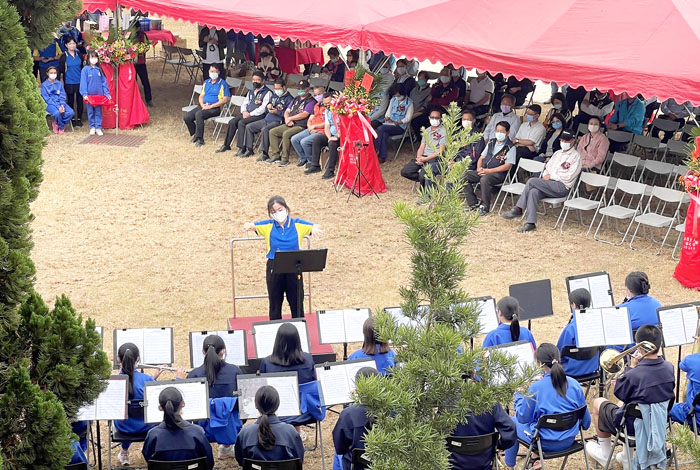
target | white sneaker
[
  {"x": 621, "y": 458},
  {"x": 593, "y": 450},
  {"x": 92, "y": 131},
  {"x": 225, "y": 452},
  {"x": 99, "y": 132},
  {"x": 124, "y": 457}
]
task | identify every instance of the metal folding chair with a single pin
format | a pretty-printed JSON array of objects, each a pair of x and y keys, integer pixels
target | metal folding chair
[
  {"x": 196, "y": 90},
  {"x": 647, "y": 143},
  {"x": 193, "y": 464},
  {"x": 474, "y": 445},
  {"x": 655, "y": 217},
  {"x": 336, "y": 86},
  {"x": 172, "y": 58},
  {"x": 584, "y": 354},
  {"x": 666, "y": 125},
  {"x": 617, "y": 210},
  {"x": 677, "y": 148},
  {"x": 292, "y": 464},
  {"x": 191, "y": 62},
  {"x": 582, "y": 129},
  {"x": 407, "y": 134},
  {"x": 620, "y": 137},
  {"x": 627, "y": 162},
  {"x": 656, "y": 170},
  {"x": 557, "y": 422},
  {"x": 226, "y": 117},
  {"x": 580, "y": 202},
  {"x": 680, "y": 228},
  {"x": 512, "y": 185}
]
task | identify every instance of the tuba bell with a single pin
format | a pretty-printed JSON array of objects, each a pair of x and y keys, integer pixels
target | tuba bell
[{"x": 611, "y": 361}]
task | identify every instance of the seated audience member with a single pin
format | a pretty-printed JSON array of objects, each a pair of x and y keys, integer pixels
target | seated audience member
[
  {"x": 402, "y": 76},
  {"x": 596, "y": 103},
  {"x": 559, "y": 175},
  {"x": 55, "y": 98},
  {"x": 268, "y": 63},
  {"x": 559, "y": 106},
  {"x": 673, "y": 111},
  {"x": 441, "y": 95},
  {"x": 295, "y": 118},
  {"x": 640, "y": 305},
  {"x": 492, "y": 167},
  {"x": 519, "y": 89},
  {"x": 507, "y": 114},
  {"x": 579, "y": 299},
  {"x": 215, "y": 93},
  {"x": 304, "y": 140},
  {"x": 397, "y": 117},
  {"x": 593, "y": 147},
  {"x": 420, "y": 94},
  {"x": 476, "y": 425},
  {"x": 458, "y": 82},
  {"x": 334, "y": 67},
  {"x": 475, "y": 149},
  {"x": 691, "y": 366},
  {"x": 268, "y": 438},
  {"x": 427, "y": 154},
  {"x": 479, "y": 94},
  {"x": 553, "y": 393},
  {"x": 550, "y": 143},
  {"x": 175, "y": 439},
  {"x": 628, "y": 115},
  {"x": 252, "y": 110},
  {"x": 352, "y": 57},
  {"x": 530, "y": 134},
  {"x": 386, "y": 81},
  {"x": 332, "y": 140},
  {"x": 650, "y": 383},
  {"x": 373, "y": 348},
  {"x": 274, "y": 116},
  {"x": 351, "y": 427},
  {"x": 509, "y": 329}
]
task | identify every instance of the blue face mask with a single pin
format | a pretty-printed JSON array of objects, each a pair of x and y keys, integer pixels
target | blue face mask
[
  {"x": 556, "y": 125},
  {"x": 530, "y": 118}
]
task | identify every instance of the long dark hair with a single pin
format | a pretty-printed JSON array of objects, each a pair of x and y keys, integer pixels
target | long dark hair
[
  {"x": 212, "y": 346},
  {"x": 371, "y": 345},
  {"x": 548, "y": 355},
  {"x": 267, "y": 400},
  {"x": 170, "y": 399},
  {"x": 510, "y": 307},
  {"x": 128, "y": 356},
  {"x": 287, "y": 350},
  {"x": 638, "y": 283},
  {"x": 277, "y": 200},
  {"x": 580, "y": 297}
]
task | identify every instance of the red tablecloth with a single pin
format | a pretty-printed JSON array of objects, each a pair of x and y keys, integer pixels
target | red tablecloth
[
  {"x": 291, "y": 59},
  {"x": 162, "y": 35}
]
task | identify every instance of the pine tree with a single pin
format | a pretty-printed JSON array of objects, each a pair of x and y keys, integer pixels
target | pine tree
[
  {"x": 438, "y": 380},
  {"x": 41, "y": 19}
]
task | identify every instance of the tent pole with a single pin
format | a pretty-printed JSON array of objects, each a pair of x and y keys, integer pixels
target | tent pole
[{"x": 116, "y": 71}]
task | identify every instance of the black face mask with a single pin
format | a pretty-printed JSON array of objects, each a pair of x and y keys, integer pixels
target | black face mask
[
  {"x": 264, "y": 54},
  {"x": 257, "y": 85}
]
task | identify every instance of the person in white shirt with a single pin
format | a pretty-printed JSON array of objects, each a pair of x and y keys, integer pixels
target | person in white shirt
[
  {"x": 507, "y": 114},
  {"x": 556, "y": 180},
  {"x": 479, "y": 94},
  {"x": 531, "y": 134},
  {"x": 673, "y": 112},
  {"x": 427, "y": 155},
  {"x": 212, "y": 43}
]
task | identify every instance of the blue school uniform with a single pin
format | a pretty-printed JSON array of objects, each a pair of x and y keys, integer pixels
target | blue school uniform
[
  {"x": 305, "y": 370},
  {"x": 93, "y": 83},
  {"x": 283, "y": 237},
  {"x": 691, "y": 366},
  {"x": 176, "y": 444},
  {"x": 496, "y": 420},
  {"x": 384, "y": 361},
  {"x": 223, "y": 424},
  {"x": 226, "y": 380},
  {"x": 543, "y": 399},
  {"x": 349, "y": 433},
  {"x": 287, "y": 443},
  {"x": 135, "y": 425},
  {"x": 78, "y": 454},
  {"x": 574, "y": 367},
  {"x": 642, "y": 310},
  {"x": 55, "y": 96},
  {"x": 501, "y": 335}
]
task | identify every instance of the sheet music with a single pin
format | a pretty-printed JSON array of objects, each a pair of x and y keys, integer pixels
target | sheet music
[
  {"x": 523, "y": 352},
  {"x": 195, "y": 393},
  {"x": 264, "y": 335},
  {"x": 286, "y": 385},
  {"x": 401, "y": 319},
  {"x": 488, "y": 318},
  {"x": 100, "y": 331},
  {"x": 331, "y": 324},
  {"x": 354, "y": 319},
  {"x": 131, "y": 335},
  {"x": 600, "y": 291},
  {"x": 109, "y": 405},
  {"x": 589, "y": 328},
  {"x": 234, "y": 341},
  {"x": 158, "y": 346},
  {"x": 338, "y": 383},
  {"x": 690, "y": 320},
  {"x": 617, "y": 326},
  {"x": 673, "y": 327}
]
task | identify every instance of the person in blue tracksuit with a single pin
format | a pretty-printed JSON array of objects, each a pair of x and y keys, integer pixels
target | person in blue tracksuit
[
  {"x": 128, "y": 357},
  {"x": 691, "y": 366},
  {"x": 640, "y": 305},
  {"x": 55, "y": 97},
  {"x": 495, "y": 420},
  {"x": 175, "y": 439},
  {"x": 372, "y": 348},
  {"x": 94, "y": 83},
  {"x": 350, "y": 429},
  {"x": 553, "y": 393},
  {"x": 509, "y": 329},
  {"x": 268, "y": 438},
  {"x": 578, "y": 299}
]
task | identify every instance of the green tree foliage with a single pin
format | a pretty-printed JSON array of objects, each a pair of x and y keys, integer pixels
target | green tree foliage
[
  {"x": 685, "y": 440},
  {"x": 438, "y": 380},
  {"x": 41, "y": 19}
]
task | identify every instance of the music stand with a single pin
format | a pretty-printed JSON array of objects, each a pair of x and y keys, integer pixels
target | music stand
[
  {"x": 360, "y": 147},
  {"x": 299, "y": 262}
]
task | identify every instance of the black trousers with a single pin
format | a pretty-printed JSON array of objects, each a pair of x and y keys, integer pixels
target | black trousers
[
  {"x": 195, "y": 120},
  {"x": 332, "y": 153},
  {"x": 142, "y": 72},
  {"x": 75, "y": 100},
  {"x": 277, "y": 286},
  {"x": 489, "y": 183},
  {"x": 239, "y": 124}
]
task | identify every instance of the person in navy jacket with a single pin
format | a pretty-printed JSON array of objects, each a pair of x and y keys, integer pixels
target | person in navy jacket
[
  {"x": 579, "y": 299},
  {"x": 175, "y": 439},
  {"x": 268, "y": 438},
  {"x": 496, "y": 420},
  {"x": 55, "y": 97},
  {"x": 509, "y": 329},
  {"x": 372, "y": 348},
  {"x": 93, "y": 83},
  {"x": 553, "y": 393}
]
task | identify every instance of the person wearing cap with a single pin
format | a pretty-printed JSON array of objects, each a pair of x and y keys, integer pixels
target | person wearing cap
[
  {"x": 530, "y": 134},
  {"x": 252, "y": 110},
  {"x": 55, "y": 97},
  {"x": 295, "y": 118},
  {"x": 557, "y": 178}
]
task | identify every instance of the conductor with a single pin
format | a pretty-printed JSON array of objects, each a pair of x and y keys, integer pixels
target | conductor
[{"x": 282, "y": 232}]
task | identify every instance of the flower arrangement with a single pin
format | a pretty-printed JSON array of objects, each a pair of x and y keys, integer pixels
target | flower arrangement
[
  {"x": 356, "y": 98},
  {"x": 118, "y": 47},
  {"x": 691, "y": 180}
]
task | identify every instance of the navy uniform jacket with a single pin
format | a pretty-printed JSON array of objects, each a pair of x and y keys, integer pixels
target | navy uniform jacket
[
  {"x": 226, "y": 380},
  {"x": 305, "y": 370},
  {"x": 287, "y": 443},
  {"x": 177, "y": 444},
  {"x": 497, "y": 420},
  {"x": 349, "y": 432}
]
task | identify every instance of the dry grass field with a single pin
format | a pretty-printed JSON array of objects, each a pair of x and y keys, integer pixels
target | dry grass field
[{"x": 140, "y": 237}]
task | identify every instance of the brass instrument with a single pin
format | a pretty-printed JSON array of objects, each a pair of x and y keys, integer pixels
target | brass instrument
[{"x": 611, "y": 361}]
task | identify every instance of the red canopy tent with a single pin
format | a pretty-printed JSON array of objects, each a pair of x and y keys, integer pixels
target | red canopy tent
[{"x": 640, "y": 46}]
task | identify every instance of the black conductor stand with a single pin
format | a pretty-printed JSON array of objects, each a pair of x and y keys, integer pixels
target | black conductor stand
[
  {"x": 360, "y": 148},
  {"x": 299, "y": 262}
]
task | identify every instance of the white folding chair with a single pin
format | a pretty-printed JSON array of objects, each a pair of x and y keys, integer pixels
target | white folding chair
[
  {"x": 647, "y": 143},
  {"x": 617, "y": 210},
  {"x": 295, "y": 78},
  {"x": 336, "y": 86},
  {"x": 666, "y": 125},
  {"x": 172, "y": 58},
  {"x": 656, "y": 218},
  {"x": 512, "y": 185},
  {"x": 407, "y": 134},
  {"x": 322, "y": 82},
  {"x": 191, "y": 63},
  {"x": 680, "y": 228},
  {"x": 579, "y": 202},
  {"x": 234, "y": 84},
  {"x": 620, "y": 137},
  {"x": 223, "y": 120},
  {"x": 197, "y": 90},
  {"x": 582, "y": 129},
  {"x": 677, "y": 148},
  {"x": 654, "y": 170},
  {"x": 628, "y": 163}
]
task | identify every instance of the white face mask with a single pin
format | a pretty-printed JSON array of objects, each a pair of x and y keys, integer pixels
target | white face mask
[
  {"x": 565, "y": 146},
  {"x": 280, "y": 216},
  {"x": 466, "y": 124},
  {"x": 434, "y": 122},
  {"x": 455, "y": 73},
  {"x": 593, "y": 128},
  {"x": 213, "y": 75},
  {"x": 444, "y": 79},
  {"x": 401, "y": 70},
  {"x": 93, "y": 60},
  {"x": 500, "y": 136},
  {"x": 52, "y": 76}
]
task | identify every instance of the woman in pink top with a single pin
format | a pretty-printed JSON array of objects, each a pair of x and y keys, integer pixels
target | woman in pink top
[{"x": 593, "y": 147}]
